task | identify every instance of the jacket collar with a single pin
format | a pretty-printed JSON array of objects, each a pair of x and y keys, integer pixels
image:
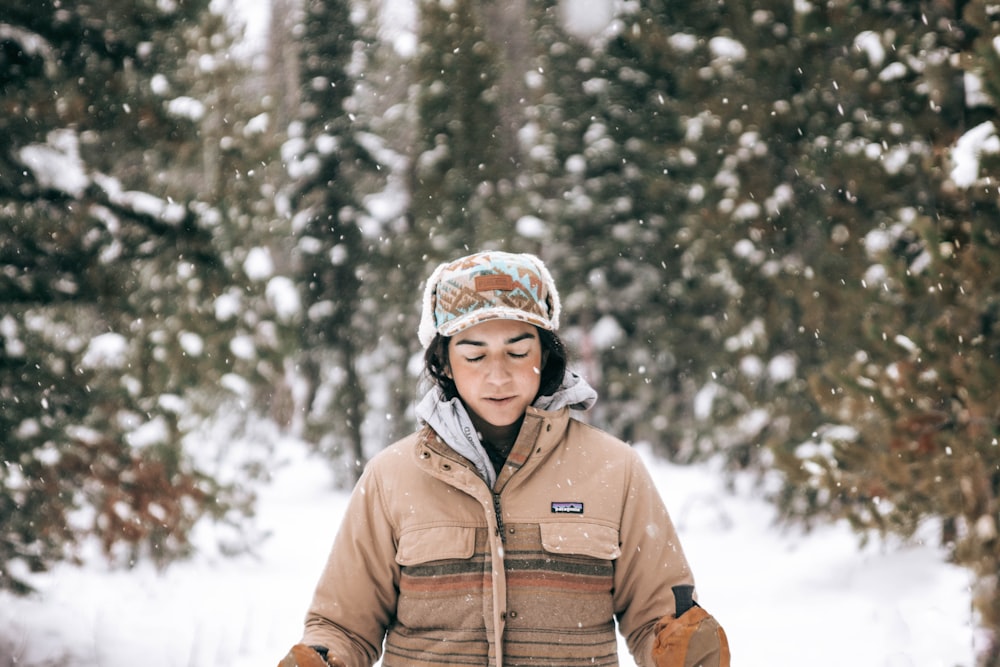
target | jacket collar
[
  {"x": 540, "y": 433},
  {"x": 450, "y": 420}
]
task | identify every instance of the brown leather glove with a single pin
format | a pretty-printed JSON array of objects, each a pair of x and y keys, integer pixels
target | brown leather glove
[
  {"x": 306, "y": 656},
  {"x": 694, "y": 640}
]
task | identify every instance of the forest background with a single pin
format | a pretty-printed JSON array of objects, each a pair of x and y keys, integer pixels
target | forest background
[{"x": 775, "y": 227}]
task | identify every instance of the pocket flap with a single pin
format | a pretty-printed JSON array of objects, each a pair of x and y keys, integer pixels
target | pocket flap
[
  {"x": 425, "y": 545},
  {"x": 582, "y": 539}
]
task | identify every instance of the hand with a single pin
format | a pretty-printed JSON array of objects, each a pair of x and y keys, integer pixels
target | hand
[
  {"x": 303, "y": 656},
  {"x": 694, "y": 639}
]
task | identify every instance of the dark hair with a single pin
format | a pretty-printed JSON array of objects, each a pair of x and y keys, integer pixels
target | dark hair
[{"x": 553, "y": 351}]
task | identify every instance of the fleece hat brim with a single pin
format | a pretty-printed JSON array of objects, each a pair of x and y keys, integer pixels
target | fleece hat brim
[{"x": 490, "y": 285}]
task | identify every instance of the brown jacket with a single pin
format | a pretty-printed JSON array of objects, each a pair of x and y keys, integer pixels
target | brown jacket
[{"x": 532, "y": 572}]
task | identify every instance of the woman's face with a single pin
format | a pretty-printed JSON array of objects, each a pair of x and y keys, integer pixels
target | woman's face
[{"x": 496, "y": 367}]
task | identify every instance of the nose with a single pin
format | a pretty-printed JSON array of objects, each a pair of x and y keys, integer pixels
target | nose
[{"x": 497, "y": 371}]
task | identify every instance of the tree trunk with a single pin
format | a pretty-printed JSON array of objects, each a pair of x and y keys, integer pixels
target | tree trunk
[{"x": 507, "y": 29}]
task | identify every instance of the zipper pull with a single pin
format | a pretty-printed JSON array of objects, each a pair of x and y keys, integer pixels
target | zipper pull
[{"x": 499, "y": 513}]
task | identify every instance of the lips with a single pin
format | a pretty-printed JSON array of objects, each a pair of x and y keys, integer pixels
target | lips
[{"x": 500, "y": 399}]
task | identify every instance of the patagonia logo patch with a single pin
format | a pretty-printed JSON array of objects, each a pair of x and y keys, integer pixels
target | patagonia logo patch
[
  {"x": 567, "y": 508},
  {"x": 494, "y": 281}
]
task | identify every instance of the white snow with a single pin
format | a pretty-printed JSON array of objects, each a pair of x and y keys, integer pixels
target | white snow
[
  {"x": 705, "y": 399},
  {"x": 243, "y": 347},
  {"x": 237, "y": 384},
  {"x": 186, "y": 107},
  {"x": 106, "y": 350},
  {"x": 785, "y": 597},
  {"x": 746, "y": 211},
  {"x": 56, "y": 164},
  {"x": 251, "y": 19},
  {"x": 683, "y": 42},
  {"x": 606, "y": 333},
  {"x": 980, "y": 140},
  {"x": 228, "y": 305},
  {"x": 893, "y": 72},
  {"x": 586, "y": 18},
  {"x": 258, "y": 265},
  {"x": 259, "y": 124},
  {"x": 192, "y": 344},
  {"x": 532, "y": 227},
  {"x": 907, "y": 344},
  {"x": 975, "y": 94},
  {"x": 284, "y": 298},
  {"x": 159, "y": 84},
  {"x": 144, "y": 203},
  {"x": 327, "y": 144},
  {"x": 782, "y": 368},
  {"x": 153, "y": 432},
  {"x": 727, "y": 48},
  {"x": 870, "y": 43},
  {"x": 895, "y": 159},
  {"x": 399, "y": 26},
  {"x": 31, "y": 44}
]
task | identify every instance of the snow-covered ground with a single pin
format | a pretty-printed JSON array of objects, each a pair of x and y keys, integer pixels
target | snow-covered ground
[{"x": 786, "y": 598}]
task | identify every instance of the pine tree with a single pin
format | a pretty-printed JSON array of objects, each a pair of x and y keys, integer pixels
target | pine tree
[
  {"x": 109, "y": 269},
  {"x": 824, "y": 299},
  {"x": 457, "y": 169},
  {"x": 861, "y": 264},
  {"x": 333, "y": 165},
  {"x": 613, "y": 173}
]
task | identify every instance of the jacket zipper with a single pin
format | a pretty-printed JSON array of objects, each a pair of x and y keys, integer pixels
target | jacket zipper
[{"x": 499, "y": 513}]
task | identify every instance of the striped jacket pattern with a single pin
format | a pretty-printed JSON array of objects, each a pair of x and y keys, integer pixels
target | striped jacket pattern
[{"x": 432, "y": 568}]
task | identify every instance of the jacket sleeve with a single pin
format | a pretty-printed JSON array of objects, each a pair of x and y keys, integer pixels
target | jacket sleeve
[
  {"x": 651, "y": 563},
  {"x": 356, "y": 594}
]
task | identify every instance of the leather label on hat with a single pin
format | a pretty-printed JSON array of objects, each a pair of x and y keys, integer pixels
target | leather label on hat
[{"x": 496, "y": 281}]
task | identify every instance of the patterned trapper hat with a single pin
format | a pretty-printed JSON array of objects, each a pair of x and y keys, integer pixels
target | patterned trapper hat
[{"x": 489, "y": 285}]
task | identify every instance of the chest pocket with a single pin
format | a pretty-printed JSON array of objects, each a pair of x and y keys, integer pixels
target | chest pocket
[
  {"x": 441, "y": 580},
  {"x": 426, "y": 545},
  {"x": 565, "y": 582},
  {"x": 580, "y": 539}
]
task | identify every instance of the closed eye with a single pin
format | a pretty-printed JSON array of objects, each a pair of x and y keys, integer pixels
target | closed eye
[{"x": 512, "y": 355}]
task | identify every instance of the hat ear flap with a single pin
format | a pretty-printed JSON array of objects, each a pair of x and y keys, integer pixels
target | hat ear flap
[
  {"x": 552, "y": 295},
  {"x": 428, "y": 321}
]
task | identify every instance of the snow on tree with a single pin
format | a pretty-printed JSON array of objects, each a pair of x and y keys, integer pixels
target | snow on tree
[
  {"x": 774, "y": 225},
  {"x": 110, "y": 261},
  {"x": 339, "y": 257}
]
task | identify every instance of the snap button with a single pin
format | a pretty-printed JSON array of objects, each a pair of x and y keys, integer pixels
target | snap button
[
  {"x": 511, "y": 531},
  {"x": 513, "y": 614}
]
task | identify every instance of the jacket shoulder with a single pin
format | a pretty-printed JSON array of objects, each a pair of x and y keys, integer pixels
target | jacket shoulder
[
  {"x": 401, "y": 450},
  {"x": 595, "y": 437}
]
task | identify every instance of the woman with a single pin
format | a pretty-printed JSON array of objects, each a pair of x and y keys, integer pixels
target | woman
[{"x": 504, "y": 532}]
